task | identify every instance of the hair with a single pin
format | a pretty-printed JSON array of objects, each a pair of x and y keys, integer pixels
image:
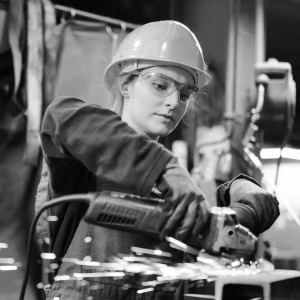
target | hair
[
  {"x": 212, "y": 105},
  {"x": 117, "y": 105}
]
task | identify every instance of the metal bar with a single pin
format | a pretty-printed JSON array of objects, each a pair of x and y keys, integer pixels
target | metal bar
[
  {"x": 95, "y": 17},
  {"x": 260, "y": 35}
]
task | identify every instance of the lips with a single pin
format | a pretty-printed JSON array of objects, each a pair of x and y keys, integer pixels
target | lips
[{"x": 170, "y": 117}]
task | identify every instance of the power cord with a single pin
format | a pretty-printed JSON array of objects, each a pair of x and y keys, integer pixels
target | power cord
[{"x": 79, "y": 198}]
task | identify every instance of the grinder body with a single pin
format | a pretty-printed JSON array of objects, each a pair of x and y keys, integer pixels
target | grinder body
[{"x": 129, "y": 212}]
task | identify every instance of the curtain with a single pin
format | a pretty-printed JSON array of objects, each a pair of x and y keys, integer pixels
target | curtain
[{"x": 84, "y": 49}]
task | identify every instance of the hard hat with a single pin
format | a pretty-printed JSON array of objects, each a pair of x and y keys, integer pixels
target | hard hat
[{"x": 159, "y": 43}]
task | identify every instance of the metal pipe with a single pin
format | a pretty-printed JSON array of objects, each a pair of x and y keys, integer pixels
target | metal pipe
[{"x": 95, "y": 17}]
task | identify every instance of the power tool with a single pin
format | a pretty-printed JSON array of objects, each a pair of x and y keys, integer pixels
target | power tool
[{"x": 129, "y": 212}]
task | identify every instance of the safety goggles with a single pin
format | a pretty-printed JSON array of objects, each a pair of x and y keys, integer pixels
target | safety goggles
[{"x": 163, "y": 86}]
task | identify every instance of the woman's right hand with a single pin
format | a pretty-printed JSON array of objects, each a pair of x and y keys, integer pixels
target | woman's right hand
[{"x": 189, "y": 209}]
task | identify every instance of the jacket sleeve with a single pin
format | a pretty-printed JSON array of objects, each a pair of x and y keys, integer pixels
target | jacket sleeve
[
  {"x": 255, "y": 208},
  {"x": 98, "y": 139}
]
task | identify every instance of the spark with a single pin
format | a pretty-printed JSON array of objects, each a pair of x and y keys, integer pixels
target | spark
[{"x": 48, "y": 255}]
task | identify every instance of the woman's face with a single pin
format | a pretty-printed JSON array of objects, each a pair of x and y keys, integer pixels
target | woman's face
[{"x": 147, "y": 108}]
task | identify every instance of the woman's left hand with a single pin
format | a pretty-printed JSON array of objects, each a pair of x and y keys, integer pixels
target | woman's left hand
[{"x": 255, "y": 208}]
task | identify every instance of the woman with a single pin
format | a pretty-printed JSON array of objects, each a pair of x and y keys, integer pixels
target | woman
[{"x": 155, "y": 76}]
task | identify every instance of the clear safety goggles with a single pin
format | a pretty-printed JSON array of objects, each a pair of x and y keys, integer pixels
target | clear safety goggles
[{"x": 163, "y": 86}]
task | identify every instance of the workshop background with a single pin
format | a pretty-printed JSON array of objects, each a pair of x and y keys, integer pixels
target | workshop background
[{"x": 62, "y": 47}]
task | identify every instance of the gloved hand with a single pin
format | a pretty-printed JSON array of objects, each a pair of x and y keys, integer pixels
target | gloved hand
[
  {"x": 255, "y": 208},
  {"x": 188, "y": 207}
]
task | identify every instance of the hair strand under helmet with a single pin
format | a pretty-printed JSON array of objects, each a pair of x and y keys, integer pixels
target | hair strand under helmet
[{"x": 163, "y": 42}]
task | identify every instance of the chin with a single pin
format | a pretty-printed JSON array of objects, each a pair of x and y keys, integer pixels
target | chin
[{"x": 162, "y": 131}]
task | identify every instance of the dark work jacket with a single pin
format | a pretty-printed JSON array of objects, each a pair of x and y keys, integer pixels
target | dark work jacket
[{"x": 88, "y": 148}]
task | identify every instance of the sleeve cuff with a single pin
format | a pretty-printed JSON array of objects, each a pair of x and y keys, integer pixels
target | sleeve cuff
[{"x": 223, "y": 196}]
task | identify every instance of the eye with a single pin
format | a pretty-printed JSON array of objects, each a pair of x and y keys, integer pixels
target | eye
[
  {"x": 160, "y": 85},
  {"x": 184, "y": 97},
  {"x": 186, "y": 93}
]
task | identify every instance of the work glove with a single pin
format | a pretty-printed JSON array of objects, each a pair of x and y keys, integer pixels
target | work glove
[
  {"x": 187, "y": 207},
  {"x": 255, "y": 208}
]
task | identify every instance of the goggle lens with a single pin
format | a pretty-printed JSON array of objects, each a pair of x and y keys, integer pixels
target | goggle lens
[{"x": 164, "y": 86}]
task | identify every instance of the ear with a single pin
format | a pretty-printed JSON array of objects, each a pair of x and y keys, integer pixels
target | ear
[{"x": 124, "y": 89}]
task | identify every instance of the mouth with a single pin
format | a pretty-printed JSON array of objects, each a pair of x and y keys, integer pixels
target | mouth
[{"x": 166, "y": 116}]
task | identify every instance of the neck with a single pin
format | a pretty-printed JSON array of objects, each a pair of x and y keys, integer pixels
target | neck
[
  {"x": 139, "y": 131},
  {"x": 125, "y": 118}
]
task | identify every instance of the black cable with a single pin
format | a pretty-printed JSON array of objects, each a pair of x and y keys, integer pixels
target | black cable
[
  {"x": 290, "y": 129},
  {"x": 278, "y": 163},
  {"x": 81, "y": 198}
]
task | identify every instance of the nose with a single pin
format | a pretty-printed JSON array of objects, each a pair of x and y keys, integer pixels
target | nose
[{"x": 173, "y": 99}]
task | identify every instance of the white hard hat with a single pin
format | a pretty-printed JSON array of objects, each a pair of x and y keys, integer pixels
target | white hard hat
[{"x": 161, "y": 42}]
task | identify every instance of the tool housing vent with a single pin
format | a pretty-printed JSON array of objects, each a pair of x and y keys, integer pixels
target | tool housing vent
[{"x": 113, "y": 214}]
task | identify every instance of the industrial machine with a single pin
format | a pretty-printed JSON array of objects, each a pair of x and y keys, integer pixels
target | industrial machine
[{"x": 272, "y": 119}]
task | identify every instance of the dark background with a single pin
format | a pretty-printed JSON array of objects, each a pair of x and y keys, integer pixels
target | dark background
[{"x": 283, "y": 43}]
